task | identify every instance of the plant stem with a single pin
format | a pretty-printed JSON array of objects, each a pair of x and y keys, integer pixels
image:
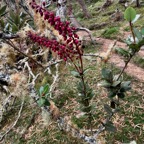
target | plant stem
[
  {"x": 131, "y": 28},
  {"x": 86, "y": 101},
  {"x": 124, "y": 67}
]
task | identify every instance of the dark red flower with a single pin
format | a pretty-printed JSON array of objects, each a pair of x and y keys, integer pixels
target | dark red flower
[{"x": 71, "y": 42}]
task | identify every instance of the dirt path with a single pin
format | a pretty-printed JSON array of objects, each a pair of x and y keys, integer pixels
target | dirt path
[{"x": 132, "y": 69}]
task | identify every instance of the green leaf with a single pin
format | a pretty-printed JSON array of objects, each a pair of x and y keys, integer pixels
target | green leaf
[
  {"x": 14, "y": 28},
  {"x": 90, "y": 94},
  {"x": 46, "y": 89},
  {"x": 41, "y": 89},
  {"x": 10, "y": 20},
  {"x": 75, "y": 74},
  {"x": 80, "y": 86},
  {"x": 2, "y": 24},
  {"x": 7, "y": 27},
  {"x": 130, "y": 14},
  {"x": 140, "y": 44},
  {"x": 109, "y": 127},
  {"x": 12, "y": 15},
  {"x": 86, "y": 70},
  {"x": 134, "y": 47},
  {"x": 22, "y": 23},
  {"x": 2, "y": 10},
  {"x": 122, "y": 52},
  {"x": 43, "y": 102},
  {"x": 142, "y": 31},
  {"x": 137, "y": 34},
  {"x": 112, "y": 94},
  {"x": 88, "y": 89},
  {"x": 3, "y": 14},
  {"x": 22, "y": 15},
  {"x": 107, "y": 109},
  {"x": 121, "y": 95},
  {"x": 105, "y": 84},
  {"x": 107, "y": 74},
  {"x": 86, "y": 109},
  {"x": 17, "y": 20},
  {"x": 116, "y": 83},
  {"x": 125, "y": 86}
]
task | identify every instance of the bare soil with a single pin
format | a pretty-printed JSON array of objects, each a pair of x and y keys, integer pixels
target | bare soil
[{"x": 132, "y": 69}]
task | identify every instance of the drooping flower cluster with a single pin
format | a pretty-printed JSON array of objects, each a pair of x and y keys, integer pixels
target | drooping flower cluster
[{"x": 69, "y": 43}]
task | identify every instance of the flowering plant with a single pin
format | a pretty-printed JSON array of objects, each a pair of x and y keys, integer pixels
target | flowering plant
[{"x": 67, "y": 45}]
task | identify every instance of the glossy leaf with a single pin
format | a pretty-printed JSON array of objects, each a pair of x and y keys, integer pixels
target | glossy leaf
[
  {"x": 107, "y": 74},
  {"x": 2, "y": 24},
  {"x": 12, "y": 15},
  {"x": 142, "y": 31},
  {"x": 138, "y": 34},
  {"x": 134, "y": 47},
  {"x": 116, "y": 83},
  {"x": 17, "y": 20},
  {"x": 125, "y": 86},
  {"x": 41, "y": 89},
  {"x": 130, "y": 14},
  {"x": 109, "y": 127},
  {"x": 112, "y": 94},
  {"x": 140, "y": 44},
  {"x": 105, "y": 84},
  {"x": 2, "y": 10},
  {"x": 14, "y": 28},
  {"x": 121, "y": 95},
  {"x": 7, "y": 27},
  {"x": 45, "y": 89},
  {"x": 80, "y": 87},
  {"x": 86, "y": 70},
  {"x": 90, "y": 95},
  {"x": 22, "y": 23},
  {"x": 107, "y": 109},
  {"x": 22, "y": 15},
  {"x": 75, "y": 74},
  {"x": 43, "y": 102}
]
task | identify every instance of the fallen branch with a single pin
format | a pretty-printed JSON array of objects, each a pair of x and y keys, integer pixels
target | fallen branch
[
  {"x": 52, "y": 63},
  {"x": 86, "y": 30},
  {"x": 55, "y": 79}
]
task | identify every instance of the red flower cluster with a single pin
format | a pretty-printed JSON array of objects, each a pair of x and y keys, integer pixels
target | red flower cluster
[
  {"x": 71, "y": 42},
  {"x": 61, "y": 49},
  {"x": 62, "y": 27}
]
